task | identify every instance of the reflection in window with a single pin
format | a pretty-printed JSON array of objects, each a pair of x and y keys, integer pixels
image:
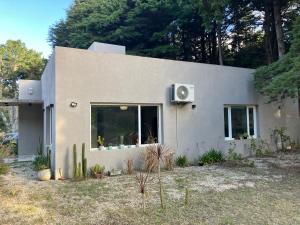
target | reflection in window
[
  {"x": 119, "y": 125},
  {"x": 239, "y": 122},
  {"x": 149, "y": 124}
]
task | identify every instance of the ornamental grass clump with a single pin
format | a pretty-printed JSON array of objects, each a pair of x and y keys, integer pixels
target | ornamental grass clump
[
  {"x": 182, "y": 161},
  {"x": 212, "y": 156}
]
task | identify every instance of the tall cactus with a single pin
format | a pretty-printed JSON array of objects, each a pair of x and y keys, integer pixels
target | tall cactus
[
  {"x": 74, "y": 161},
  {"x": 84, "y": 161}
]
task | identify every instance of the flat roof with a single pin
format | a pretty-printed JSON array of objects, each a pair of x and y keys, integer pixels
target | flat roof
[{"x": 17, "y": 102}]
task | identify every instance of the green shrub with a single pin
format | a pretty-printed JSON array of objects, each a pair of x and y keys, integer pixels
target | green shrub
[
  {"x": 97, "y": 169},
  {"x": 212, "y": 156},
  {"x": 4, "y": 168},
  {"x": 40, "y": 162},
  {"x": 182, "y": 161},
  {"x": 260, "y": 147},
  {"x": 233, "y": 155}
]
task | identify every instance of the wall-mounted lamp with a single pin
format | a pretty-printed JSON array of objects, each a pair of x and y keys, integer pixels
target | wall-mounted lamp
[
  {"x": 73, "y": 104},
  {"x": 123, "y": 107}
]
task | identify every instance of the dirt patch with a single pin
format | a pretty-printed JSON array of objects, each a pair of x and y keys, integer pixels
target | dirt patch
[{"x": 267, "y": 193}]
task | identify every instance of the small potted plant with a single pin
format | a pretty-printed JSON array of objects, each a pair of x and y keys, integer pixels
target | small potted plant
[
  {"x": 110, "y": 146},
  {"x": 97, "y": 171},
  {"x": 101, "y": 143},
  {"x": 41, "y": 164}
]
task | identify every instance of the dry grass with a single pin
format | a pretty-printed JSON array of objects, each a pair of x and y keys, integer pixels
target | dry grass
[{"x": 268, "y": 193}]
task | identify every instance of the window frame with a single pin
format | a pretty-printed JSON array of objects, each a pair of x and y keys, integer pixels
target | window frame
[
  {"x": 229, "y": 121},
  {"x": 139, "y": 106}
]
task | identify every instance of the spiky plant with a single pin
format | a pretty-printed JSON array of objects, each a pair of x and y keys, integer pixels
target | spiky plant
[
  {"x": 74, "y": 161},
  {"x": 142, "y": 179},
  {"x": 84, "y": 161},
  {"x": 159, "y": 152}
]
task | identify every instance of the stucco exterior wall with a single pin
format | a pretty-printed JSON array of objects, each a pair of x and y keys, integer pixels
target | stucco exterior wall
[
  {"x": 48, "y": 96},
  {"x": 30, "y": 129},
  {"x": 87, "y": 77},
  {"x": 30, "y": 90}
]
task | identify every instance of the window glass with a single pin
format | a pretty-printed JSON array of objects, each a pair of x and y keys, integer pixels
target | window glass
[
  {"x": 118, "y": 125},
  {"x": 251, "y": 121},
  {"x": 226, "y": 122},
  {"x": 239, "y": 121},
  {"x": 149, "y": 124}
]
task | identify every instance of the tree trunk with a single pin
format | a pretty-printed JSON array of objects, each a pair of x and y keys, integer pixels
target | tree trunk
[
  {"x": 220, "y": 50},
  {"x": 270, "y": 34},
  {"x": 160, "y": 187},
  {"x": 203, "y": 48},
  {"x": 278, "y": 28}
]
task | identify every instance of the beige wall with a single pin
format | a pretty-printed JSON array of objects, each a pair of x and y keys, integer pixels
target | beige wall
[
  {"x": 88, "y": 77},
  {"x": 30, "y": 128},
  {"x": 30, "y": 90}
]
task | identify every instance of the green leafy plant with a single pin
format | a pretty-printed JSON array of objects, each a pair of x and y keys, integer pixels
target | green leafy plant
[
  {"x": 181, "y": 161},
  {"x": 97, "y": 171},
  {"x": 260, "y": 147},
  {"x": 232, "y": 154},
  {"x": 4, "y": 168},
  {"x": 41, "y": 162},
  {"x": 212, "y": 156},
  {"x": 100, "y": 141},
  {"x": 281, "y": 138}
]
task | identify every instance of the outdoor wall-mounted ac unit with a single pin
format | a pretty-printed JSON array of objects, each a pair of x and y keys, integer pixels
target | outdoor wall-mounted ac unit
[{"x": 182, "y": 93}]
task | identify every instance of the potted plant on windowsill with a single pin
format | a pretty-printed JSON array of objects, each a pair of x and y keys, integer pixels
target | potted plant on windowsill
[
  {"x": 101, "y": 143},
  {"x": 97, "y": 171},
  {"x": 42, "y": 165}
]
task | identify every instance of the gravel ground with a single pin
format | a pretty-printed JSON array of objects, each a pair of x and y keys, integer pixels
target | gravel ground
[{"x": 268, "y": 193}]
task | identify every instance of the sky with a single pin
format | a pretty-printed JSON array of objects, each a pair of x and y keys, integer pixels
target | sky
[{"x": 29, "y": 21}]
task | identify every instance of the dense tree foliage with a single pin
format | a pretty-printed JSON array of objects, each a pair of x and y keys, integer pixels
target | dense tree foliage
[
  {"x": 281, "y": 79},
  {"x": 243, "y": 33},
  {"x": 17, "y": 62}
]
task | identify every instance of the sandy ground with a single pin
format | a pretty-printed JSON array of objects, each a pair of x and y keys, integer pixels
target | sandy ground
[{"x": 268, "y": 193}]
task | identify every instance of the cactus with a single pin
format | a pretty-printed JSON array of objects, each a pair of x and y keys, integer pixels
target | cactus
[
  {"x": 49, "y": 157},
  {"x": 74, "y": 161},
  {"x": 84, "y": 161},
  {"x": 78, "y": 172}
]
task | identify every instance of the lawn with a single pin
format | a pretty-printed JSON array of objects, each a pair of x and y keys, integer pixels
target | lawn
[{"x": 268, "y": 193}]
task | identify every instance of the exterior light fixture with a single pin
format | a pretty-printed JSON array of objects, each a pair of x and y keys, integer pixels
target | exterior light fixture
[
  {"x": 73, "y": 104},
  {"x": 123, "y": 107}
]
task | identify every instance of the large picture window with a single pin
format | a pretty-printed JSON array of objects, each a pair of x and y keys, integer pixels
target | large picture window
[
  {"x": 239, "y": 122},
  {"x": 124, "y": 124}
]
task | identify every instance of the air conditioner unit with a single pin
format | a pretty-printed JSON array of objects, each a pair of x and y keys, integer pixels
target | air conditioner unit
[{"x": 182, "y": 93}]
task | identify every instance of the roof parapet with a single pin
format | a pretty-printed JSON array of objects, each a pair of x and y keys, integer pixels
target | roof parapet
[{"x": 107, "y": 48}]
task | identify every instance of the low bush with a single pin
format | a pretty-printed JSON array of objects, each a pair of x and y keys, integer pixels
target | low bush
[
  {"x": 97, "y": 171},
  {"x": 4, "y": 168},
  {"x": 212, "y": 156},
  {"x": 40, "y": 162},
  {"x": 233, "y": 155},
  {"x": 182, "y": 161},
  {"x": 260, "y": 147}
]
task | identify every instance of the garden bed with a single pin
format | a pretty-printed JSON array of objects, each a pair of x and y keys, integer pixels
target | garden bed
[{"x": 266, "y": 193}]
